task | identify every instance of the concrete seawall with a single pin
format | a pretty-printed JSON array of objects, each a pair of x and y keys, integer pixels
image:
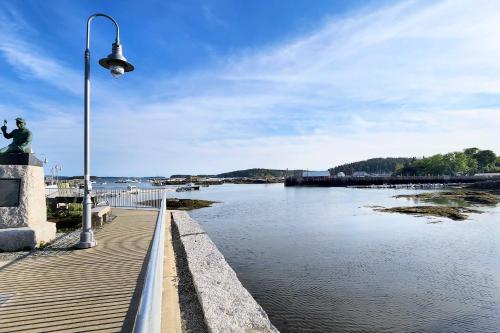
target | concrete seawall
[
  {"x": 227, "y": 306},
  {"x": 368, "y": 181}
]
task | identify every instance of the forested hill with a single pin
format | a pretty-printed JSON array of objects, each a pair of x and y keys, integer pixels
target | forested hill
[
  {"x": 372, "y": 166},
  {"x": 254, "y": 173},
  {"x": 467, "y": 162}
]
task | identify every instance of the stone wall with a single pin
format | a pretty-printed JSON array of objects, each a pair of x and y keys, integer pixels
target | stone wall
[
  {"x": 227, "y": 306},
  {"x": 32, "y": 209},
  {"x": 25, "y": 226}
]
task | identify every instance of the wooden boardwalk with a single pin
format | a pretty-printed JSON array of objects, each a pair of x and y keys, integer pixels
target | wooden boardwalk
[{"x": 93, "y": 290}]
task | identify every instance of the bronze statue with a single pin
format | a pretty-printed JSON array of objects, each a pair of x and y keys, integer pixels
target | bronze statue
[{"x": 21, "y": 138}]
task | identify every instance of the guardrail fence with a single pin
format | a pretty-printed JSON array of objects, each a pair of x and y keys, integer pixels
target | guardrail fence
[
  {"x": 148, "y": 317},
  {"x": 130, "y": 198},
  {"x": 114, "y": 197}
]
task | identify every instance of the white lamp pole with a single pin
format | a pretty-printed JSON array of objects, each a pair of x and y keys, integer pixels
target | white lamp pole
[{"x": 117, "y": 64}]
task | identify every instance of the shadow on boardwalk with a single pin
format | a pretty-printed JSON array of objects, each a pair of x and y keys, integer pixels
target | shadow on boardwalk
[{"x": 91, "y": 290}]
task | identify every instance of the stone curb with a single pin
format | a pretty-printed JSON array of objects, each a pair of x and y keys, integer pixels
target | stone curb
[{"x": 227, "y": 305}]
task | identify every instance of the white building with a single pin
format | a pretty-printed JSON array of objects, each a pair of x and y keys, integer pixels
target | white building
[{"x": 306, "y": 174}]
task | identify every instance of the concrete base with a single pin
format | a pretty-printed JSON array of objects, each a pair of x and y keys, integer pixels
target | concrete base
[
  {"x": 87, "y": 240},
  {"x": 15, "y": 239}
]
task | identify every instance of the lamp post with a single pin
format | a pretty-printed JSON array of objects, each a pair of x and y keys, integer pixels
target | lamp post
[{"x": 117, "y": 64}]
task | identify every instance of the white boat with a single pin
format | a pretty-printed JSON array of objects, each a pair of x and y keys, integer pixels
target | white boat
[
  {"x": 188, "y": 187},
  {"x": 133, "y": 189}
]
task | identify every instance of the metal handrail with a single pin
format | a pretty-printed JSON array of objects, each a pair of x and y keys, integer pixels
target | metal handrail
[{"x": 148, "y": 317}]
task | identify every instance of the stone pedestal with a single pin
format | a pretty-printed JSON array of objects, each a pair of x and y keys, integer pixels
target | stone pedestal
[{"x": 23, "y": 212}]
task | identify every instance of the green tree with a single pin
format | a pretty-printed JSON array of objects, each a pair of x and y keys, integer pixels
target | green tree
[
  {"x": 459, "y": 164},
  {"x": 472, "y": 166},
  {"x": 485, "y": 159},
  {"x": 471, "y": 151}
]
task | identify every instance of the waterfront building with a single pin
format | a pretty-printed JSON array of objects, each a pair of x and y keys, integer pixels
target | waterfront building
[{"x": 310, "y": 174}]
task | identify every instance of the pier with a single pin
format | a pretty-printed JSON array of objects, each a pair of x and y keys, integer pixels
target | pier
[
  {"x": 383, "y": 181},
  {"x": 94, "y": 290},
  {"x": 153, "y": 270}
]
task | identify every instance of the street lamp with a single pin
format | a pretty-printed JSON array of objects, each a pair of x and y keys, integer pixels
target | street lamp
[{"x": 117, "y": 64}]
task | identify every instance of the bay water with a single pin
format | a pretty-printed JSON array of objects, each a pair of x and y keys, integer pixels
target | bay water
[{"x": 321, "y": 260}]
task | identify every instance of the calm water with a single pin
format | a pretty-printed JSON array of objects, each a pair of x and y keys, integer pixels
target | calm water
[{"x": 318, "y": 260}]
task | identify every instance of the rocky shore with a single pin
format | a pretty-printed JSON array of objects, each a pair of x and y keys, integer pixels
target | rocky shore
[
  {"x": 453, "y": 204},
  {"x": 460, "y": 195},
  {"x": 453, "y": 213},
  {"x": 181, "y": 204}
]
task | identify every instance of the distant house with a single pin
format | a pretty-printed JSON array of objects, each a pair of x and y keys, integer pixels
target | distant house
[
  {"x": 341, "y": 174},
  {"x": 360, "y": 174},
  {"x": 306, "y": 174}
]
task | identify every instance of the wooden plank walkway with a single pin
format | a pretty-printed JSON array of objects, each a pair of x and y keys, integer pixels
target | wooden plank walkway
[{"x": 93, "y": 290}]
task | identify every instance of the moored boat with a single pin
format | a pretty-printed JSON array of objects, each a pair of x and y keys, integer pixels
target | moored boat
[{"x": 188, "y": 187}]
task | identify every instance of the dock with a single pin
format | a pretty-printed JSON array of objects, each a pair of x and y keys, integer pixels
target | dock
[
  {"x": 153, "y": 270},
  {"x": 383, "y": 181}
]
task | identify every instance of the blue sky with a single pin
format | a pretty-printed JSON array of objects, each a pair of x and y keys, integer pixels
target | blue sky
[{"x": 225, "y": 85}]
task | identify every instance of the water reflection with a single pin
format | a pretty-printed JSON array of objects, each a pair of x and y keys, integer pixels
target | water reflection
[{"x": 318, "y": 260}]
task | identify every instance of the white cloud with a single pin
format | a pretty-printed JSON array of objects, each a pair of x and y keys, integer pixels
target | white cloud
[
  {"x": 27, "y": 58},
  {"x": 41, "y": 67},
  {"x": 409, "y": 79}
]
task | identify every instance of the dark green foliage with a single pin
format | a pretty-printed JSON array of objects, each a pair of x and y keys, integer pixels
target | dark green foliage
[
  {"x": 468, "y": 162},
  {"x": 69, "y": 218},
  {"x": 255, "y": 173},
  {"x": 485, "y": 159},
  {"x": 373, "y": 166},
  {"x": 471, "y": 151}
]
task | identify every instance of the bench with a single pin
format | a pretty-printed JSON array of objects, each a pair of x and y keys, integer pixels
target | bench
[{"x": 100, "y": 215}]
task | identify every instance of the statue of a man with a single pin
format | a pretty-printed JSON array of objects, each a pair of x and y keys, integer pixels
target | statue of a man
[{"x": 21, "y": 136}]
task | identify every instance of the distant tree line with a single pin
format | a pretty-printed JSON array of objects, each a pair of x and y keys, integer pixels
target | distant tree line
[
  {"x": 467, "y": 162},
  {"x": 254, "y": 173},
  {"x": 372, "y": 166}
]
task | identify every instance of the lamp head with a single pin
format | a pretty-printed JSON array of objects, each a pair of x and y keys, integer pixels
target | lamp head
[{"x": 116, "y": 62}]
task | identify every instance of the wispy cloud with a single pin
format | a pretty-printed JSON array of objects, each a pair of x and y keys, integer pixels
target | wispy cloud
[
  {"x": 211, "y": 17},
  {"x": 370, "y": 74},
  {"x": 27, "y": 58},
  {"x": 413, "y": 78}
]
